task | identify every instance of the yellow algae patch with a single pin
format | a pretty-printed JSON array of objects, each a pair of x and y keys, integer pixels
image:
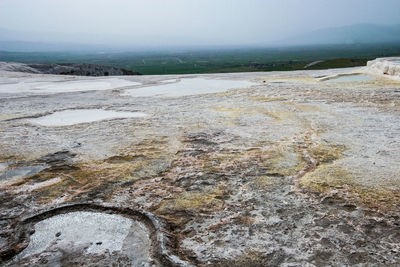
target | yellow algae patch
[
  {"x": 379, "y": 197},
  {"x": 331, "y": 177},
  {"x": 284, "y": 162},
  {"x": 327, "y": 177},
  {"x": 323, "y": 153},
  {"x": 54, "y": 191},
  {"x": 195, "y": 201}
]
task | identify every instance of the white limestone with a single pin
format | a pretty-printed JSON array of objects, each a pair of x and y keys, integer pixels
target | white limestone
[
  {"x": 385, "y": 67},
  {"x": 76, "y": 116},
  {"x": 188, "y": 86},
  {"x": 26, "y": 86}
]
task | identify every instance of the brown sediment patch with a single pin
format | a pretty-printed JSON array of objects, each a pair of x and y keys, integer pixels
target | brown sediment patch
[
  {"x": 85, "y": 178},
  {"x": 32, "y": 187},
  {"x": 12, "y": 159},
  {"x": 188, "y": 193},
  {"x": 280, "y": 161},
  {"x": 98, "y": 178},
  {"x": 199, "y": 178},
  {"x": 74, "y": 180},
  {"x": 252, "y": 258}
]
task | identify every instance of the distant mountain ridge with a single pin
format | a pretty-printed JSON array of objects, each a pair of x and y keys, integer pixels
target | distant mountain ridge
[
  {"x": 351, "y": 34},
  {"x": 19, "y": 41}
]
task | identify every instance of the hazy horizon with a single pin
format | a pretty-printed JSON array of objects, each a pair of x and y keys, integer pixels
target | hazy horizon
[{"x": 159, "y": 23}]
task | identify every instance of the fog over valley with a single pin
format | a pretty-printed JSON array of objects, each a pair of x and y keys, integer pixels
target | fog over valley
[{"x": 132, "y": 24}]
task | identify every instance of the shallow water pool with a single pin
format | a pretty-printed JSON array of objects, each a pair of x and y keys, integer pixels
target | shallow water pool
[
  {"x": 188, "y": 86},
  {"x": 76, "y": 116},
  {"x": 90, "y": 233},
  {"x": 351, "y": 78},
  {"x": 22, "y": 172},
  {"x": 65, "y": 86}
]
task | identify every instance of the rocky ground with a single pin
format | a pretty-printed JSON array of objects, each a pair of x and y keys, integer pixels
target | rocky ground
[
  {"x": 290, "y": 170},
  {"x": 66, "y": 69}
]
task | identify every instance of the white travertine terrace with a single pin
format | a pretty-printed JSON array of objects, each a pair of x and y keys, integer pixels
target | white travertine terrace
[
  {"x": 388, "y": 67},
  {"x": 27, "y": 85},
  {"x": 285, "y": 170},
  {"x": 71, "y": 117}
]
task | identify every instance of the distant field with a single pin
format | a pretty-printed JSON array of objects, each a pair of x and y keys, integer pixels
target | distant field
[{"x": 219, "y": 60}]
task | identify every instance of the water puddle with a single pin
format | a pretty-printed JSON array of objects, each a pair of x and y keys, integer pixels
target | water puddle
[
  {"x": 21, "y": 172},
  {"x": 66, "y": 86},
  {"x": 85, "y": 233},
  {"x": 3, "y": 167},
  {"x": 188, "y": 86},
  {"x": 76, "y": 116},
  {"x": 396, "y": 61},
  {"x": 351, "y": 78}
]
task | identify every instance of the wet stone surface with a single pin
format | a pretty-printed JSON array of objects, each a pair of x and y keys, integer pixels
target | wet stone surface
[
  {"x": 81, "y": 234},
  {"x": 282, "y": 170},
  {"x": 20, "y": 172},
  {"x": 71, "y": 117}
]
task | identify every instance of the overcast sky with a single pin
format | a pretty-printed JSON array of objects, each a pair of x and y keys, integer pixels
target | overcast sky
[{"x": 169, "y": 22}]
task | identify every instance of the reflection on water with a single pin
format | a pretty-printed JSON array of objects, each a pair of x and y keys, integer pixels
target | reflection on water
[
  {"x": 22, "y": 172},
  {"x": 351, "y": 78},
  {"x": 188, "y": 86},
  {"x": 90, "y": 233}
]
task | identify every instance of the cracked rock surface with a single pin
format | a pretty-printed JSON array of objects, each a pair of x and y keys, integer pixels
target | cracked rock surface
[{"x": 284, "y": 170}]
